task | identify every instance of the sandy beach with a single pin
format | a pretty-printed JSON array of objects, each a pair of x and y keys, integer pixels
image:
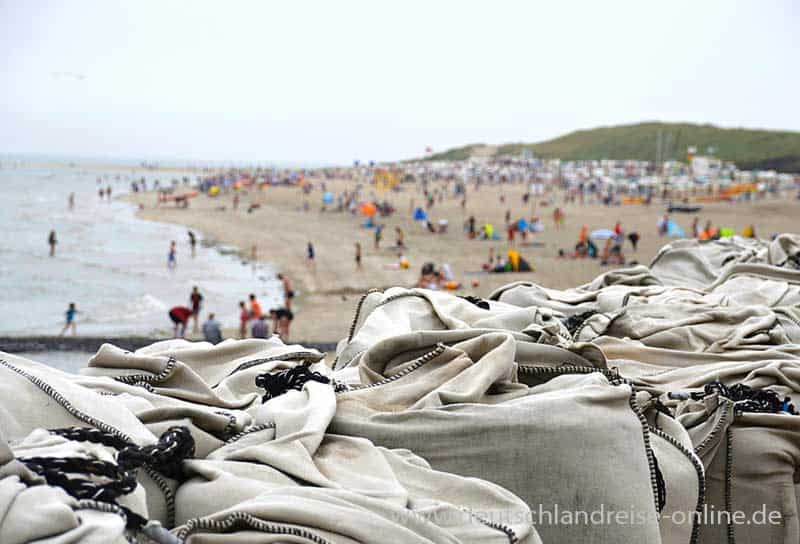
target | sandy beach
[{"x": 328, "y": 293}]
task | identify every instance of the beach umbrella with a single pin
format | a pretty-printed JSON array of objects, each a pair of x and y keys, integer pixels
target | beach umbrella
[
  {"x": 327, "y": 198},
  {"x": 602, "y": 234},
  {"x": 368, "y": 209},
  {"x": 522, "y": 224},
  {"x": 674, "y": 230}
]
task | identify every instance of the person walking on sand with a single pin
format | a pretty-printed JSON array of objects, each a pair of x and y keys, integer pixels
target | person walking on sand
[
  {"x": 558, "y": 218},
  {"x": 192, "y": 243},
  {"x": 288, "y": 294},
  {"x": 401, "y": 237},
  {"x": 310, "y": 254},
  {"x": 696, "y": 227},
  {"x": 51, "y": 239},
  {"x": 196, "y": 300},
  {"x": 358, "y": 256},
  {"x": 70, "y": 320},
  {"x": 244, "y": 317},
  {"x": 212, "y": 331},
  {"x": 378, "y": 236},
  {"x": 172, "y": 258},
  {"x": 180, "y": 317}
]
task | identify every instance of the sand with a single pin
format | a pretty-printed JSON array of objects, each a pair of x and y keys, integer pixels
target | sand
[{"x": 329, "y": 292}]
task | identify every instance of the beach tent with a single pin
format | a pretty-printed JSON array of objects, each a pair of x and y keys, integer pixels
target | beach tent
[
  {"x": 420, "y": 215},
  {"x": 726, "y": 232},
  {"x": 327, "y": 198}
]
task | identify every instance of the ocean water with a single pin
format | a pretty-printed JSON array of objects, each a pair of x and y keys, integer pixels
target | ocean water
[
  {"x": 111, "y": 264},
  {"x": 68, "y": 361}
]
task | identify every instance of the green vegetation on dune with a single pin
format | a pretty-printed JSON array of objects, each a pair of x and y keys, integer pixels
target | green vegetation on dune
[
  {"x": 749, "y": 149},
  {"x": 455, "y": 154}
]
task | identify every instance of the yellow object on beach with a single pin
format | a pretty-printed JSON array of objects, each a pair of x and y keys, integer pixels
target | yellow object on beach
[
  {"x": 385, "y": 180},
  {"x": 513, "y": 257},
  {"x": 633, "y": 200},
  {"x": 404, "y": 263},
  {"x": 213, "y": 191}
]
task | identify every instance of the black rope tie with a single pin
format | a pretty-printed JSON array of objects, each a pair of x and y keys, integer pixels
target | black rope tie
[
  {"x": 479, "y": 302},
  {"x": 117, "y": 479},
  {"x": 574, "y": 322},
  {"x": 661, "y": 486},
  {"x": 278, "y": 383},
  {"x": 747, "y": 399}
]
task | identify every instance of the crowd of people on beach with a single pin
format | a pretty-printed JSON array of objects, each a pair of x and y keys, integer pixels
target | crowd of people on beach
[{"x": 370, "y": 200}]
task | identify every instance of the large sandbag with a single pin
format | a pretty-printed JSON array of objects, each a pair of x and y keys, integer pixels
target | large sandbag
[
  {"x": 751, "y": 462},
  {"x": 288, "y": 475},
  {"x": 545, "y": 445},
  {"x": 32, "y": 511},
  {"x": 399, "y": 311},
  {"x": 697, "y": 327}
]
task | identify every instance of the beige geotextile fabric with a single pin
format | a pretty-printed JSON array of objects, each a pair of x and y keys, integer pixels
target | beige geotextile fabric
[
  {"x": 613, "y": 285},
  {"x": 692, "y": 263},
  {"x": 262, "y": 471},
  {"x": 697, "y": 327},
  {"x": 31, "y": 511},
  {"x": 400, "y": 311},
  {"x": 549, "y": 445},
  {"x": 752, "y": 462}
]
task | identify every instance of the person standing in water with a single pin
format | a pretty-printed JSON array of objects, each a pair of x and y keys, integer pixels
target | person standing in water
[
  {"x": 193, "y": 243},
  {"x": 51, "y": 239},
  {"x": 255, "y": 307},
  {"x": 72, "y": 201},
  {"x": 244, "y": 317},
  {"x": 180, "y": 317},
  {"x": 288, "y": 293},
  {"x": 197, "y": 301},
  {"x": 172, "y": 257},
  {"x": 70, "y": 320}
]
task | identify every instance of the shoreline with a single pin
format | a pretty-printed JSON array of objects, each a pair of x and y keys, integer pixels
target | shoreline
[{"x": 90, "y": 344}]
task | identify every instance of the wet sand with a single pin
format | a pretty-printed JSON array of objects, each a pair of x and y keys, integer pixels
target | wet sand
[{"x": 329, "y": 292}]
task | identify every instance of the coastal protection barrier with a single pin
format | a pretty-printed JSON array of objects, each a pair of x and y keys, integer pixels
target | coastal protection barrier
[{"x": 90, "y": 344}]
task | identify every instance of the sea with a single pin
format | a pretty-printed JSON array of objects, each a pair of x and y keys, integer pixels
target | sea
[{"x": 110, "y": 263}]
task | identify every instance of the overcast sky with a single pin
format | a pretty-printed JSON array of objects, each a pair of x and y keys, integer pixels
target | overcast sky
[{"x": 337, "y": 80}]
